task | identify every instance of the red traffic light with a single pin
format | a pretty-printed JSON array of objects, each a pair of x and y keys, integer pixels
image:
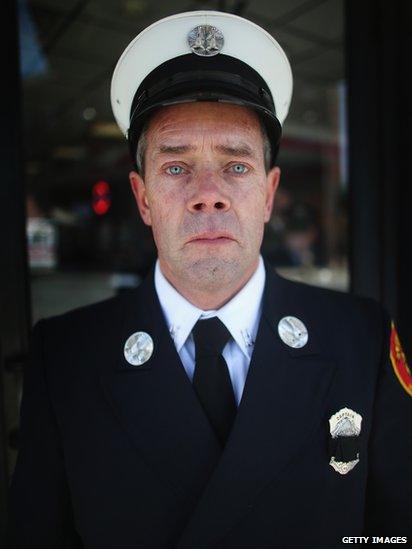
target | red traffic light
[{"x": 101, "y": 197}]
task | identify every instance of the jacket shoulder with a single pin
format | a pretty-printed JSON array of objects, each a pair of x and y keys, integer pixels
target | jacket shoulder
[
  {"x": 341, "y": 319},
  {"x": 328, "y": 300},
  {"x": 96, "y": 314}
]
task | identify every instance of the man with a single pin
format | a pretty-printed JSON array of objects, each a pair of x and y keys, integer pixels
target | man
[{"x": 218, "y": 404}]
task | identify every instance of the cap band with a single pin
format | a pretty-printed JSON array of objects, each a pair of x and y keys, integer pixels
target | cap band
[{"x": 178, "y": 84}]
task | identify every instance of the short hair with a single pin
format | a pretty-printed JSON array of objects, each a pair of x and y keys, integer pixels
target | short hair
[{"x": 142, "y": 146}]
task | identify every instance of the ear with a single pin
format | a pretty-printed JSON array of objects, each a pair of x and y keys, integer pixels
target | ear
[
  {"x": 140, "y": 195},
  {"x": 272, "y": 183}
]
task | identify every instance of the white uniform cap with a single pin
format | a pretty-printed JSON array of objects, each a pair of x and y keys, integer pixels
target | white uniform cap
[{"x": 246, "y": 63}]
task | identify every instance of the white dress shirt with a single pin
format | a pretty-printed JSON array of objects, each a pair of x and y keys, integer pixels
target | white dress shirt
[{"x": 240, "y": 315}]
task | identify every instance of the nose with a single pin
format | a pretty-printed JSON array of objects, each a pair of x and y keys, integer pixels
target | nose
[{"x": 208, "y": 195}]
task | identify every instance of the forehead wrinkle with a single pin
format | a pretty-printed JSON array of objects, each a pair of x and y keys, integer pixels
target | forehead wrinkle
[{"x": 166, "y": 137}]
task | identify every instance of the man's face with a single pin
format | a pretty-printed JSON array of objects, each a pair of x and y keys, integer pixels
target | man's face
[{"x": 205, "y": 192}]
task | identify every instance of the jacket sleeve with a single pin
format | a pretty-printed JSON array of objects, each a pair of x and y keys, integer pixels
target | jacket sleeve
[
  {"x": 388, "y": 510},
  {"x": 40, "y": 513}
]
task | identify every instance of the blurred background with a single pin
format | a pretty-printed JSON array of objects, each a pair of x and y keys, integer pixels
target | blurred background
[{"x": 71, "y": 234}]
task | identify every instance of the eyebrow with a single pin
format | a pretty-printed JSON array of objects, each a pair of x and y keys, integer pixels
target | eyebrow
[
  {"x": 241, "y": 149},
  {"x": 175, "y": 149}
]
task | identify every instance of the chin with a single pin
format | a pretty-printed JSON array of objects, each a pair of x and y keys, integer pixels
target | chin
[{"x": 212, "y": 271}]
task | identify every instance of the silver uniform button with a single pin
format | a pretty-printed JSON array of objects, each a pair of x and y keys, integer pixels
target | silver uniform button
[
  {"x": 138, "y": 348},
  {"x": 205, "y": 40},
  {"x": 293, "y": 332}
]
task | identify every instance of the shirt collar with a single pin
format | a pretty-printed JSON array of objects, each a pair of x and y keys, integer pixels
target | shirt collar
[{"x": 240, "y": 315}]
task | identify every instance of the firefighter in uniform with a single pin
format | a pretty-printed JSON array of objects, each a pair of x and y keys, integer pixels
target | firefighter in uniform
[{"x": 218, "y": 404}]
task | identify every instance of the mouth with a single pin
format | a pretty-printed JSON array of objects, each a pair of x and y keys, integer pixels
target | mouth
[{"x": 211, "y": 238}]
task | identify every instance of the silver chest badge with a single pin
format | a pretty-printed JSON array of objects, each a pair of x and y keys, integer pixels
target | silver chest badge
[
  {"x": 138, "y": 348},
  {"x": 205, "y": 40},
  {"x": 345, "y": 426},
  {"x": 293, "y": 332}
]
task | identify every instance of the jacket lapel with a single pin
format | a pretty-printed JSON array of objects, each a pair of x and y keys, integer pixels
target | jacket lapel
[
  {"x": 282, "y": 404},
  {"x": 155, "y": 403}
]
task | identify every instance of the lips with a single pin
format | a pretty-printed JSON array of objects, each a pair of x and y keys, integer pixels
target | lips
[{"x": 211, "y": 237}]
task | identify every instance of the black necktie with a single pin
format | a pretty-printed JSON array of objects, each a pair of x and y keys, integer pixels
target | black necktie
[{"x": 211, "y": 379}]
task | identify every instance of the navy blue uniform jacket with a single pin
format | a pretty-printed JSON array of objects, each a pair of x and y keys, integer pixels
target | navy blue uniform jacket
[{"x": 123, "y": 457}]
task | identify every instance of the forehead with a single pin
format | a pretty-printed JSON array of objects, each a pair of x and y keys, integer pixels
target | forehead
[{"x": 205, "y": 120}]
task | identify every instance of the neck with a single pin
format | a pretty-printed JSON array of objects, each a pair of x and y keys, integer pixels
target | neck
[{"x": 208, "y": 299}]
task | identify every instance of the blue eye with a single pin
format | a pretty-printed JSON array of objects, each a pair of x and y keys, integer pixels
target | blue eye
[
  {"x": 239, "y": 169},
  {"x": 174, "y": 170}
]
